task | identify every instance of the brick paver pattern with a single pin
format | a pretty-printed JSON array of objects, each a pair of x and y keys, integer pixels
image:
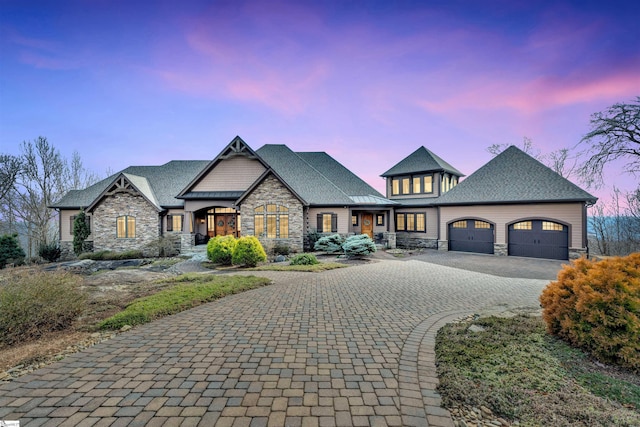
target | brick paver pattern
[{"x": 347, "y": 347}]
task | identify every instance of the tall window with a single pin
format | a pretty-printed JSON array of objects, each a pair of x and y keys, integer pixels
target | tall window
[
  {"x": 411, "y": 222},
  {"x": 126, "y": 227},
  {"x": 272, "y": 221},
  {"x": 395, "y": 186},
  {"x": 327, "y": 223},
  {"x": 406, "y": 189},
  {"x": 428, "y": 183},
  {"x": 174, "y": 222}
]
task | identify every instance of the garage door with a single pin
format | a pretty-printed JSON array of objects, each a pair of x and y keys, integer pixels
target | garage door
[
  {"x": 471, "y": 236},
  {"x": 539, "y": 239}
]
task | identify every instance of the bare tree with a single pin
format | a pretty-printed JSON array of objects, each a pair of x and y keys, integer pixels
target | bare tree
[
  {"x": 40, "y": 182},
  {"x": 615, "y": 134},
  {"x": 79, "y": 176},
  {"x": 9, "y": 169},
  {"x": 616, "y": 225},
  {"x": 559, "y": 161}
]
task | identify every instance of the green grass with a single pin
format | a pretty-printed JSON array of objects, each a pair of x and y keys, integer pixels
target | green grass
[
  {"x": 189, "y": 290},
  {"x": 304, "y": 268},
  {"x": 520, "y": 372}
]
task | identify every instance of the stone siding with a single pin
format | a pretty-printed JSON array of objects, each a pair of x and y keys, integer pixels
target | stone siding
[
  {"x": 576, "y": 253},
  {"x": 415, "y": 242},
  {"x": 272, "y": 191},
  {"x": 66, "y": 249},
  {"x": 124, "y": 203},
  {"x": 500, "y": 249}
]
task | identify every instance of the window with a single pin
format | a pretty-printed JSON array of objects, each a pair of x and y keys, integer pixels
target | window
[
  {"x": 411, "y": 222},
  {"x": 379, "y": 219},
  {"x": 482, "y": 224},
  {"x": 428, "y": 184},
  {"x": 524, "y": 225},
  {"x": 459, "y": 224},
  {"x": 327, "y": 223},
  {"x": 271, "y": 221},
  {"x": 406, "y": 186},
  {"x": 552, "y": 226},
  {"x": 354, "y": 220},
  {"x": 416, "y": 184},
  {"x": 126, "y": 227},
  {"x": 174, "y": 222}
]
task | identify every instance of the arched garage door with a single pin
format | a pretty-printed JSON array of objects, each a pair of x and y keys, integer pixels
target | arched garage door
[
  {"x": 471, "y": 236},
  {"x": 539, "y": 239}
]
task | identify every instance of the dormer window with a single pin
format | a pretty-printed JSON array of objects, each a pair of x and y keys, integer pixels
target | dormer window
[{"x": 414, "y": 184}]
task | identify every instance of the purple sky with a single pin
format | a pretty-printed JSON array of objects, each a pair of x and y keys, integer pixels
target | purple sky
[{"x": 140, "y": 83}]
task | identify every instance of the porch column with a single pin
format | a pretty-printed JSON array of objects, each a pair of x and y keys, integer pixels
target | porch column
[{"x": 187, "y": 238}]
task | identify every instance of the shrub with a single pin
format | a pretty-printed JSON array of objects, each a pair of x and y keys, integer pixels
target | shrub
[
  {"x": 80, "y": 232},
  {"x": 220, "y": 249},
  {"x": 596, "y": 306},
  {"x": 249, "y": 252},
  {"x": 312, "y": 237},
  {"x": 10, "y": 250},
  {"x": 111, "y": 256},
  {"x": 281, "y": 249},
  {"x": 360, "y": 245},
  {"x": 304, "y": 259},
  {"x": 330, "y": 244},
  {"x": 163, "y": 246},
  {"x": 50, "y": 252},
  {"x": 32, "y": 304}
]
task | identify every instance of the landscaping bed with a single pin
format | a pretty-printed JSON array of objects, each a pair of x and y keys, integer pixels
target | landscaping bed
[{"x": 511, "y": 372}]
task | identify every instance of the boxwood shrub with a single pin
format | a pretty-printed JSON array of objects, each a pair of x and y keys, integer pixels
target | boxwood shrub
[
  {"x": 220, "y": 249},
  {"x": 248, "y": 252}
]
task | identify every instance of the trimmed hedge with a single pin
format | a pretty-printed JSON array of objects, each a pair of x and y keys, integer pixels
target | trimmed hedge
[
  {"x": 596, "y": 306},
  {"x": 111, "y": 256},
  {"x": 220, "y": 249},
  {"x": 248, "y": 252}
]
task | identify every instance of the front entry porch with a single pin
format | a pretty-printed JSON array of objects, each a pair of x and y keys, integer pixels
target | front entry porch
[{"x": 217, "y": 221}]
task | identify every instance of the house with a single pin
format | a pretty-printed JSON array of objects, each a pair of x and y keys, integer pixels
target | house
[{"x": 513, "y": 205}]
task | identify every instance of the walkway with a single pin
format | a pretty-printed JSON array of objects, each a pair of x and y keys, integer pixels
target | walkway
[{"x": 346, "y": 347}]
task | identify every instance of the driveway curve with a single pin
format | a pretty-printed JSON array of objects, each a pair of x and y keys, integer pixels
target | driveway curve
[{"x": 345, "y": 347}]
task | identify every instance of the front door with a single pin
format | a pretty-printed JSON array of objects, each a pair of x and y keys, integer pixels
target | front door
[
  {"x": 225, "y": 224},
  {"x": 367, "y": 224},
  {"x": 222, "y": 224}
]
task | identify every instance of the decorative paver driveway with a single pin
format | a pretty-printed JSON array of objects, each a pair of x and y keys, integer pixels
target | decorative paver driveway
[{"x": 351, "y": 346}]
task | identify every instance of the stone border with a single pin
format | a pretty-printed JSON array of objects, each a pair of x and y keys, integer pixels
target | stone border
[{"x": 417, "y": 375}]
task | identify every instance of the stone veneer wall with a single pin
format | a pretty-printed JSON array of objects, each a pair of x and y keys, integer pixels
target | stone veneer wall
[
  {"x": 415, "y": 242},
  {"x": 118, "y": 204},
  {"x": 66, "y": 249},
  {"x": 273, "y": 191}
]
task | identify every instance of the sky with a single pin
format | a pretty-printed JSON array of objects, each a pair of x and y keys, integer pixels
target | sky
[{"x": 142, "y": 83}]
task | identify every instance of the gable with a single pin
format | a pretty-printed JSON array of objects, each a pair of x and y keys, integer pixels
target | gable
[
  {"x": 232, "y": 174},
  {"x": 128, "y": 184},
  {"x": 238, "y": 166}
]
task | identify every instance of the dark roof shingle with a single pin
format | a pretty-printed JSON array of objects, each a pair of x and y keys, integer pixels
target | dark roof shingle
[
  {"x": 420, "y": 161},
  {"x": 514, "y": 177}
]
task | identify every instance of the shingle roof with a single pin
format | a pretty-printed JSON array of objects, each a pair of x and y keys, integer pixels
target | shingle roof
[
  {"x": 164, "y": 182},
  {"x": 420, "y": 161},
  {"x": 316, "y": 177},
  {"x": 514, "y": 177}
]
